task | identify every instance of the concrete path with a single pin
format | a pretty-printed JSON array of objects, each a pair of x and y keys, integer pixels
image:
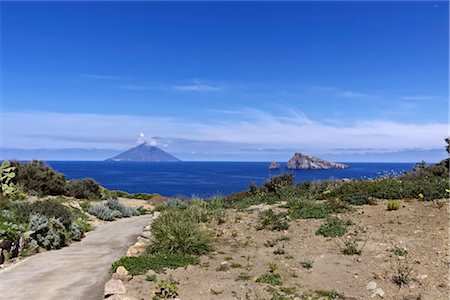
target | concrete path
[{"x": 77, "y": 272}]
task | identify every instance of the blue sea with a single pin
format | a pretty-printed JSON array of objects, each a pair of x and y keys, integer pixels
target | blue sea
[{"x": 205, "y": 178}]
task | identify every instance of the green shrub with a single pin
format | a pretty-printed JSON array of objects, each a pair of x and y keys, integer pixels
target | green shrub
[
  {"x": 49, "y": 233},
  {"x": 142, "y": 196},
  {"x": 150, "y": 277},
  {"x": 86, "y": 188},
  {"x": 103, "y": 212},
  {"x": 393, "y": 205},
  {"x": 243, "y": 277},
  {"x": 307, "y": 209},
  {"x": 177, "y": 231},
  {"x": 10, "y": 229},
  {"x": 166, "y": 289},
  {"x": 37, "y": 177},
  {"x": 112, "y": 209},
  {"x": 272, "y": 220},
  {"x": 332, "y": 228},
  {"x": 141, "y": 264},
  {"x": 7, "y": 187},
  {"x": 270, "y": 278},
  {"x": 48, "y": 208},
  {"x": 124, "y": 210},
  {"x": 276, "y": 183},
  {"x": 307, "y": 264}
]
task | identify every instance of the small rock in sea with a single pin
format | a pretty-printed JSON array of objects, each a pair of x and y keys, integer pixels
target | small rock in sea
[
  {"x": 274, "y": 165},
  {"x": 371, "y": 285},
  {"x": 115, "y": 287},
  {"x": 378, "y": 292}
]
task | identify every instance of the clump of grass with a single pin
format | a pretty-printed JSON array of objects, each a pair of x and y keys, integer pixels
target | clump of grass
[
  {"x": 393, "y": 205},
  {"x": 178, "y": 232},
  {"x": 243, "y": 277},
  {"x": 215, "y": 292},
  {"x": 279, "y": 251},
  {"x": 166, "y": 289},
  {"x": 271, "y": 277},
  {"x": 399, "y": 251},
  {"x": 150, "y": 277},
  {"x": 141, "y": 264},
  {"x": 288, "y": 290},
  {"x": 327, "y": 294},
  {"x": 284, "y": 238},
  {"x": 403, "y": 274},
  {"x": 270, "y": 243},
  {"x": 332, "y": 228},
  {"x": 235, "y": 265},
  {"x": 307, "y": 264},
  {"x": 351, "y": 248},
  {"x": 269, "y": 219}
]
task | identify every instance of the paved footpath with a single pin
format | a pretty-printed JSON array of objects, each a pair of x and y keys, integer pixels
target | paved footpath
[{"x": 76, "y": 272}]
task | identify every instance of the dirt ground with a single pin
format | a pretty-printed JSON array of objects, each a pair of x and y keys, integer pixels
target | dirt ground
[{"x": 421, "y": 228}]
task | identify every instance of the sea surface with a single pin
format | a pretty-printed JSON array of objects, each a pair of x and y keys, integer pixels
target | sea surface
[{"x": 205, "y": 178}]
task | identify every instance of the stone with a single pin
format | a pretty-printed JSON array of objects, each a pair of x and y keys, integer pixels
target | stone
[
  {"x": 301, "y": 161},
  {"x": 274, "y": 165},
  {"x": 121, "y": 277},
  {"x": 378, "y": 292},
  {"x": 371, "y": 285},
  {"x": 121, "y": 297},
  {"x": 146, "y": 234},
  {"x": 121, "y": 270},
  {"x": 224, "y": 266},
  {"x": 156, "y": 214},
  {"x": 115, "y": 287},
  {"x": 142, "y": 241},
  {"x": 136, "y": 250}
]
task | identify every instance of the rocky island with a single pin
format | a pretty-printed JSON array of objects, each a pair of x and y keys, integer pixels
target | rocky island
[
  {"x": 144, "y": 153},
  {"x": 274, "y": 165},
  {"x": 301, "y": 161}
]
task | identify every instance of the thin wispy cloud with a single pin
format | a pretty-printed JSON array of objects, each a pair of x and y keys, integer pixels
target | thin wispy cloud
[
  {"x": 134, "y": 87},
  {"x": 419, "y": 98},
  {"x": 197, "y": 87},
  {"x": 352, "y": 94},
  {"x": 258, "y": 128},
  {"x": 226, "y": 112},
  {"x": 102, "y": 76}
]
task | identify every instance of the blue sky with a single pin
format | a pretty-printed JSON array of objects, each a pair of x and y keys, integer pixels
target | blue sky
[{"x": 226, "y": 81}]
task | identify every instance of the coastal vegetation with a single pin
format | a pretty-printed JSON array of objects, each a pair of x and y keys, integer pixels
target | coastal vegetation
[
  {"x": 296, "y": 230},
  {"x": 41, "y": 210}
]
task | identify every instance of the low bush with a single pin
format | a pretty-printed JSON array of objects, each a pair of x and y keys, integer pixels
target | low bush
[
  {"x": 86, "y": 188},
  {"x": 276, "y": 183},
  {"x": 49, "y": 233},
  {"x": 307, "y": 209},
  {"x": 166, "y": 289},
  {"x": 179, "y": 236},
  {"x": 112, "y": 209},
  {"x": 270, "y": 278},
  {"x": 103, "y": 212},
  {"x": 37, "y": 177},
  {"x": 393, "y": 205},
  {"x": 48, "y": 208},
  {"x": 269, "y": 219},
  {"x": 332, "y": 228},
  {"x": 141, "y": 264}
]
